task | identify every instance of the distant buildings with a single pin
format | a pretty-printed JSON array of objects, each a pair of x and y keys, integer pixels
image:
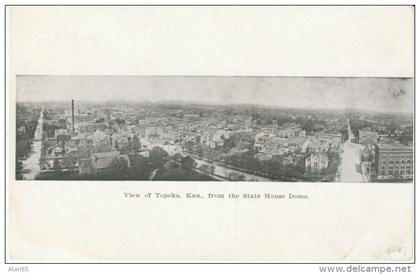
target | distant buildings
[
  {"x": 291, "y": 130},
  {"x": 89, "y": 140},
  {"x": 89, "y": 127},
  {"x": 191, "y": 116}
]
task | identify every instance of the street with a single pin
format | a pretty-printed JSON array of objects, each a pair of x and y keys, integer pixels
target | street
[
  {"x": 350, "y": 162},
  {"x": 30, "y": 165}
]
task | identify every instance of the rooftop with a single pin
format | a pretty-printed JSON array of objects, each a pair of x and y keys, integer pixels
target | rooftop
[{"x": 393, "y": 146}]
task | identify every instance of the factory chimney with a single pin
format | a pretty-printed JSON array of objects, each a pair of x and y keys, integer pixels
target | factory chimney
[{"x": 72, "y": 115}]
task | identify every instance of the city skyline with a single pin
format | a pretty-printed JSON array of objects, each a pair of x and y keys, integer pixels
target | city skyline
[{"x": 379, "y": 94}]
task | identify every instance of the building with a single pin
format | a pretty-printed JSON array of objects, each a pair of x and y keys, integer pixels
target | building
[
  {"x": 102, "y": 160},
  {"x": 367, "y": 137},
  {"x": 172, "y": 149},
  {"x": 291, "y": 131},
  {"x": 153, "y": 132},
  {"x": 79, "y": 118},
  {"x": 315, "y": 145},
  {"x": 385, "y": 139},
  {"x": 394, "y": 162},
  {"x": 90, "y": 127},
  {"x": 295, "y": 144},
  {"x": 331, "y": 137},
  {"x": 101, "y": 141},
  {"x": 317, "y": 161}
]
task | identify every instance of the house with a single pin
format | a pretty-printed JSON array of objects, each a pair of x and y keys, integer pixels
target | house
[
  {"x": 317, "y": 161},
  {"x": 220, "y": 134},
  {"x": 259, "y": 135},
  {"x": 279, "y": 150},
  {"x": 295, "y": 144},
  {"x": 314, "y": 145}
]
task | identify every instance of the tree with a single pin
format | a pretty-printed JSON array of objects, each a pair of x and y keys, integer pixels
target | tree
[
  {"x": 177, "y": 157},
  {"x": 189, "y": 145},
  {"x": 344, "y": 132},
  {"x": 234, "y": 176},
  {"x": 135, "y": 144},
  {"x": 255, "y": 116},
  {"x": 120, "y": 121},
  {"x": 179, "y": 174},
  {"x": 118, "y": 169},
  {"x": 158, "y": 157},
  {"x": 139, "y": 168},
  {"x": 204, "y": 167},
  {"x": 229, "y": 143},
  {"x": 171, "y": 174},
  {"x": 188, "y": 163}
]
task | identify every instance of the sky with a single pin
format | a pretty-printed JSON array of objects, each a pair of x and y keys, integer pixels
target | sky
[{"x": 376, "y": 94}]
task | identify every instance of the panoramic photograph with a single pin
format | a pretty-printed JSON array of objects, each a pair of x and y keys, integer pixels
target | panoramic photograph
[{"x": 214, "y": 128}]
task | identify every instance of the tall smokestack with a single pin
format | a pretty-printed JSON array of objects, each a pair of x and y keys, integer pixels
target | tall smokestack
[{"x": 72, "y": 115}]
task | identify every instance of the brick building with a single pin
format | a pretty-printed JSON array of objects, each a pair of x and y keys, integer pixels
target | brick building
[{"x": 394, "y": 162}]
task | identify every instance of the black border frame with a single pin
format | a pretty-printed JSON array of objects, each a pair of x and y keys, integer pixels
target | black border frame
[{"x": 206, "y": 5}]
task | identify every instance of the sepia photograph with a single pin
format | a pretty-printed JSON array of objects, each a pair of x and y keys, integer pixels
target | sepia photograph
[{"x": 184, "y": 128}]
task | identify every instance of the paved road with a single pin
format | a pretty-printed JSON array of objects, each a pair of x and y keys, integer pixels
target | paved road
[
  {"x": 350, "y": 162},
  {"x": 30, "y": 165},
  {"x": 38, "y": 131},
  {"x": 350, "y": 166}
]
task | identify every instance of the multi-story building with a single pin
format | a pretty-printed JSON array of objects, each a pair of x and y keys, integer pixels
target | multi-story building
[
  {"x": 394, "y": 162},
  {"x": 367, "y": 137},
  {"x": 332, "y": 137},
  {"x": 90, "y": 127}
]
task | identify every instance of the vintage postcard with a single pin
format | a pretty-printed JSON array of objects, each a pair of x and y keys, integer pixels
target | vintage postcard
[{"x": 210, "y": 134}]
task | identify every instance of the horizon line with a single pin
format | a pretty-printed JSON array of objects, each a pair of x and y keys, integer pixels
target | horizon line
[
  {"x": 187, "y": 102},
  {"x": 192, "y": 75}
]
